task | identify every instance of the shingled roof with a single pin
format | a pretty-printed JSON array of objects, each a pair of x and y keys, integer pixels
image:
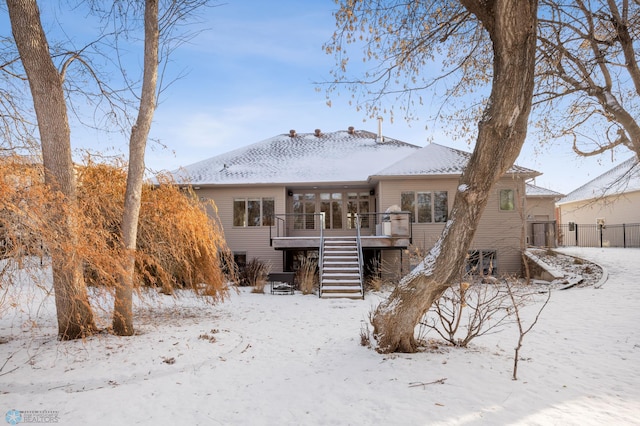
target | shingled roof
[
  {"x": 342, "y": 156},
  {"x": 538, "y": 191},
  {"x": 435, "y": 159},
  {"x": 336, "y": 157},
  {"x": 623, "y": 178}
]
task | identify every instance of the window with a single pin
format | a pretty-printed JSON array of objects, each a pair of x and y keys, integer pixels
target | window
[
  {"x": 331, "y": 206},
  {"x": 507, "y": 200},
  {"x": 253, "y": 212},
  {"x": 426, "y": 207},
  {"x": 482, "y": 262},
  {"x": 408, "y": 203},
  {"x": 357, "y": 204},
  {"x": 304, "y": 207},
  {"x": 239, "y": 212}
]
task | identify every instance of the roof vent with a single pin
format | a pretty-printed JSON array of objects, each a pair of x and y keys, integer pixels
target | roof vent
[
  {"x": 380, "y": 137},
  {"x": 351, "y": 130},
  {"x": 292, "y": 133},
  {"x": 317, "y": 132}
]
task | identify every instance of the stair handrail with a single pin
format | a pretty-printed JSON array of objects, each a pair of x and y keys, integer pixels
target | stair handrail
[
  {"x": 360, "y": 256},
  {"x": 321, "y": 254}
]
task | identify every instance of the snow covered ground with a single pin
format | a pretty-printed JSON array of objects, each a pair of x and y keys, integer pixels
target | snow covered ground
[{"x": 261, "y": 359}]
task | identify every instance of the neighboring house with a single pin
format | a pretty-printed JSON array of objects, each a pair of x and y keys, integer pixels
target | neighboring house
[
  {"x": 297, "y": 195},
  {"x": 541, "y": 216},
  {"x": 603, "y": 209}
]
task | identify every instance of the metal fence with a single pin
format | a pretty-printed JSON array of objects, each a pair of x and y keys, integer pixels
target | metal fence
[{"x": 592, "y": 235}]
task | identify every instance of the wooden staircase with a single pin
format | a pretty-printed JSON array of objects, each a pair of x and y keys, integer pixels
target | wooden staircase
[{"x": 341, "y": 276}]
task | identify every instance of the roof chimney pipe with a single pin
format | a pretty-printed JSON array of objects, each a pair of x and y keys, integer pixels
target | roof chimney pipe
[{"x": 380, "y": 137}]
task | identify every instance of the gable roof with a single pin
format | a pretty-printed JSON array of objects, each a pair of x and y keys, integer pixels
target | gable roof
[
  {"x": 312, "y": 158},
  {"x": 538, "y": 191},
  {"x": 623, "y": 178},
  {"x": 435, "y": 159}
]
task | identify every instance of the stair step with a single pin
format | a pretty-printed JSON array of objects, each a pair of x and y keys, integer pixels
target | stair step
[
  {"x": 340, "y": 282},
  {"x": 340, "y": 257},
  {"x": 336, "y": 269},
  {"x": 342, "y": 296},
  {"x": 341, "y": 288},
  {"x": 341, "y": 274}
]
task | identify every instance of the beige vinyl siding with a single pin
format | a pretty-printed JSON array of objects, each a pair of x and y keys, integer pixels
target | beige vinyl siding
[
  {"x": 253, "y": 240},
  {"x": 498, "y": 230},
  {"x": 538, "y": 207},
  {"x": 501, "y": 230},
  {"x": 615, "y": 210}
]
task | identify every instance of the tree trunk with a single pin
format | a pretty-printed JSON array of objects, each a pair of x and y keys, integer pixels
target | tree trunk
[
  {"x": 75, "y": 318},
  {"x": 501, "y": 134},
  {"x": 123, "y": 305}
]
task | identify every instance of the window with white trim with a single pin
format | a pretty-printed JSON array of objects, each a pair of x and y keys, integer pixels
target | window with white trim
[
  {"x": 249, "y": 212},
  {"x": 426, "y": 207}
]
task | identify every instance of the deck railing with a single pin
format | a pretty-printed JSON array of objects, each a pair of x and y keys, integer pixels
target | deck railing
[
  {"x": 397, "y": 224},
  {"x": 360, "y": 255}
]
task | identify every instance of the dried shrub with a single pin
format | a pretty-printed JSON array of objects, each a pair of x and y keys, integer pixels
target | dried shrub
[
  {"x": 381, "y": 276},
  {"x": 24, "y": 208},
  {"x": 179, "y": 246},
  {"x": 28, "y": 209},
  {"x": 255, "y": 274},
  {"x": 307, "y": 275}
]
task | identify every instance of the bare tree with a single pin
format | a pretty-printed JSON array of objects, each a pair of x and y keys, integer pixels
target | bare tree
[
  {"x": 75, "y": 318},
  {"x": 588, "y": 67},
  {"x": 49, "y": 87},
  {"x": 511, "y": 27},
  {"x": 155, "y": 27},
  {"x": 123, "y": 311}
]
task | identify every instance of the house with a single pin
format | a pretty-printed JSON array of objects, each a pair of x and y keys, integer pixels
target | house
[
  {"x": 541, "y": 215},
  {"x": 325, "y": 195},
  {"x": 605, "y": 211}
]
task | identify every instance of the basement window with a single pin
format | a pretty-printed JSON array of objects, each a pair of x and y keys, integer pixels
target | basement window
[{"x": 482, "y": 262}]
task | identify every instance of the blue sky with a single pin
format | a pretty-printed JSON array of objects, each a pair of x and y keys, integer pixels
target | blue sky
[{"x": 251, "y": 75}]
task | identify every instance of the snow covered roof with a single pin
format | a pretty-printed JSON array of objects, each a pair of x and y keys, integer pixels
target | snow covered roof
[
  {"x": 436, "y": 159},
  {"x": 623, "y": 178},
  {"x": 538, "y": 191},
  {"x": 341, "y": 156}
]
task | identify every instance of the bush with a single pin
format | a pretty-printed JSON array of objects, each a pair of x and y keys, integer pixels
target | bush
[
  {"x": 26, "y": 207},
  {"x": 307, "y": 275},
  {"x": 255, "y": 274},
  {"x": 466, "y": 311},
  {"x": 179, "y": 245}
]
